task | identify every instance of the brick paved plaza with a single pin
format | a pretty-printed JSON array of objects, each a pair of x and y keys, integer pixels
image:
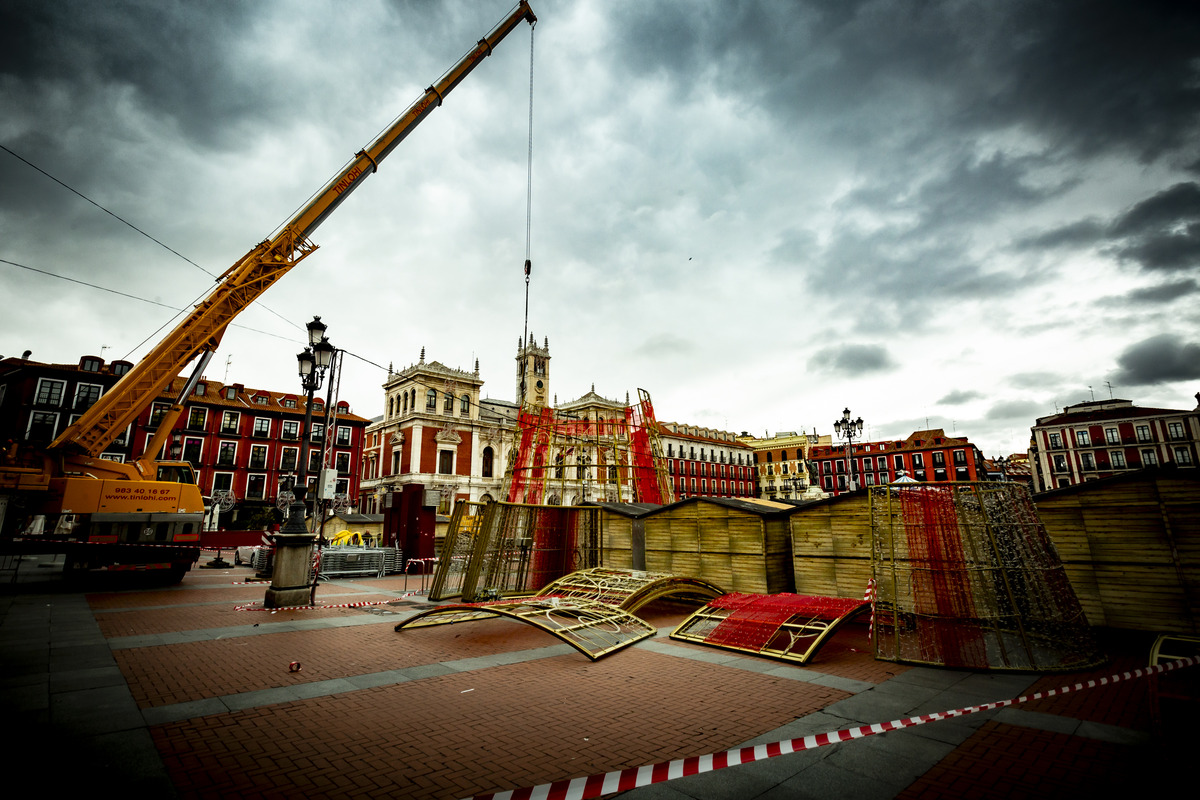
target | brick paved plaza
[{"x": 175, "y": 692}]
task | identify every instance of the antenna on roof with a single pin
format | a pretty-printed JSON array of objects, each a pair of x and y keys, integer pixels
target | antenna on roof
[
  {"x": 1109, "y": 385},
  {"x": 228, "y": 361},
  {"x": 1093, "y": 393}
]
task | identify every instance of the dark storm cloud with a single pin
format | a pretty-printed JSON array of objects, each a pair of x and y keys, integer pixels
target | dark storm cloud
[
  {"x": 1088, "y": 75},
  {"x": 960, "y": 396},
  {"x": 1014, "y": 409},
  {"x": 172, "y": 55},
  {"x": 1083, "y": 233},
  {"x": 1102, "y": 75},
  {"x": 1163, "y": 231},
  {"x": 852, "y": 359},
  {"x": 1162, "y": 294},
  {"x": 1159, "y": 359}
]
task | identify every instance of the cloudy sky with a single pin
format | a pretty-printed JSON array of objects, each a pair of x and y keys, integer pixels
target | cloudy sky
[{"x": 965, "y": 213}]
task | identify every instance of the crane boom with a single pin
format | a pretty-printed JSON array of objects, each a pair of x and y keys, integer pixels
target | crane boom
[{"x": 257, "y": 271}]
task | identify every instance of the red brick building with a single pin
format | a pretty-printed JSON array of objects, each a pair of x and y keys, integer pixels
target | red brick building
[
  {"x": 927, "y": 456},
  {"x": 242, "y": 440},
  {"x": 1101, "y": 438},
  {"x": 703, "y": 462}
]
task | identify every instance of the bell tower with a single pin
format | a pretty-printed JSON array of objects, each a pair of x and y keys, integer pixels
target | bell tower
[{"x": 533, "y": 372}]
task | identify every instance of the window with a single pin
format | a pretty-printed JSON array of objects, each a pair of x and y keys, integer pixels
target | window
[
  {"x": 196, "y": 418},
  {"x": 960, "y": 456},
  {"x": 1183, "y": 456},
  {"x": 289, "y": 402},
  {"x": 258, "y": 456},
  {"x": 255, "y": 485},
  {"x": 899, "y": 461},
  {"x": 342, "y": 462},
  {"x": 317, "y": 432},
  {"x": 446, "y": 462},
  {"x": 1143, "y": 433},
  {"x": 1118, "y": 459},
  {"x": 464, "y": 405},
  {"x": 260, "y": 399},
  {"x": 90, "y": 364},
  {"x": 1149, "y": 458},
  {"x": 49, "y": 392},
  {"x": 1175, "y": 430},
  {"x": 448, "y": 404},
  {"x": 1055, "y": 441},
  {"x": 193, "y": 448},
  {"x": 918, "y": 461},
  {"x": 262, "y": 427},
  {"x": 1111, "y": 436},
  {"x": 157, "y": 412},
  {"x": 314, "y": 461},
  {"x": 231, "y": 393},
  {"x": 227, "y": 454},
  {"x": 343, "y": 436},
  {"x": 121, "y": 367},
  {"x": 1082, "y": 438},
  {"x": 961, "y": 474},
  {"x": 289, "y": 459},
  {"x": 291, "y": 429},
  {"x": 431, "y": 399},
  {"x": 86, "y": 395},
  {"x": 1088, "y": 462},
  {"x": 42, "y": 425},
  {"x": 230, "y": 421},
  {"x": 939, "y": 459},
  {"x": 1060, "y": 463},
  {"x": 489, "y": 457},
  {"x": 200, "y": 389},
  {"x": 222, "y": 481}
]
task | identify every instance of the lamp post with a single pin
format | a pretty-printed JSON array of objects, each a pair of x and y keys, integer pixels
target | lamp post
[
  {"x": 847, "y": 428},
  {"x": 290, "y": 584},
  {"x": 1002, "y": 463}
]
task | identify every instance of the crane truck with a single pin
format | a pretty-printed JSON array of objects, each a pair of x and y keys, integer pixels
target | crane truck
[{"x": 146, "y": 514}]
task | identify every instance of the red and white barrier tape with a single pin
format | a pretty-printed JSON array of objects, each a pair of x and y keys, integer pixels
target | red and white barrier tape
[
  {"x": 254, "y": 607},
  {"x": 637, "y": 777}
]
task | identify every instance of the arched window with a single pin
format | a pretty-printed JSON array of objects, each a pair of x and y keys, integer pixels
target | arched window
[
  {"x": 431, "y": 399},
  {"x": 448, "y": 403},
  {"x": 406, "y": 401},
  {"x": 488, "y": 458},
  {"x": 464, "y": 404}
]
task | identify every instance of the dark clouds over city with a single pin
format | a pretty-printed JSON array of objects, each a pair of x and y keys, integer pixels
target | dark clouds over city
[{"x": 962, "y": 213}]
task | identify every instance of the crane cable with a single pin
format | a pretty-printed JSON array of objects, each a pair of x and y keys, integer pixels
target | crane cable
[{"x": 528, "y": 191}]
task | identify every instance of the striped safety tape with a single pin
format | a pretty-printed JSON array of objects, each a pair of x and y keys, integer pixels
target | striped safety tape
[
  {"x": 256, "y": 607},
  {"x": 637, "y": 777}
]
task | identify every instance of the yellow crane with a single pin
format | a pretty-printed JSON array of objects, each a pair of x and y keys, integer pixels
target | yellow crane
[{"x": 104, "y": 511}]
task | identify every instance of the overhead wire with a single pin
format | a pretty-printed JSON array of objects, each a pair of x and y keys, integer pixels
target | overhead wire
[{"x": 124, "y": 221}]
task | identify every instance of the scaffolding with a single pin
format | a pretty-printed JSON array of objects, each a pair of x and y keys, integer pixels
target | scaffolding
[
  {"x": 505, "y": 549},
  {"x": 560, "y": 458},
  {"x": 966, "y": 577}
]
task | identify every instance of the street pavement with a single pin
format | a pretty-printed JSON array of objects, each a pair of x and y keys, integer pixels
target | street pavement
[{"x": 185, "y": 691}]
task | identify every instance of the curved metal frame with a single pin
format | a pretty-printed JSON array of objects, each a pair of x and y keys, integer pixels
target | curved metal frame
[
  {"x": 629, "y": 589},
  {"x": 810, "y": 621},
  {"x": 593, "y": 628}
]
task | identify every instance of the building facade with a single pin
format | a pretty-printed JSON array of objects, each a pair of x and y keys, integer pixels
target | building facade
[
  {"x": 435, "y": 433},
  {"x": 1097, "y": 439},
  {"x": 704, "y": 462},
  {"x": 242, "y": 442},
  {"x": 439, "y": 431},
  {"x": 785, "y": 469},
  {"x": 928, "y": 456}
]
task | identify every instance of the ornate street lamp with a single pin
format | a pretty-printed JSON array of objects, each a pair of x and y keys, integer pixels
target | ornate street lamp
[
  {"x": 290, "y": 578},
  {"x": 847, "y": 428},
  {"x": 1002, "y": 463}
]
